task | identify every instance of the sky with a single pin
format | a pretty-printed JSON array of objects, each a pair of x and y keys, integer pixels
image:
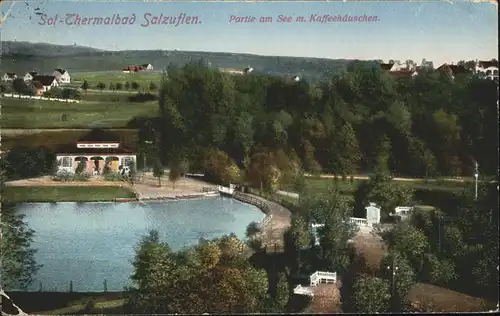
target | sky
[{"x": 437, "y": 31}]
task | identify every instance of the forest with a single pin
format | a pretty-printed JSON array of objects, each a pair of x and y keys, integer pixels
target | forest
[{"x": 360, "y": 121}]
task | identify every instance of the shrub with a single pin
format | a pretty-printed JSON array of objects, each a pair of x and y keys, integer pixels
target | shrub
[
  {"x": 113, "y": 176},
  {"x": 84, "y": 176},
  {"x": 63, "y": 176},
  {"x": 142, "y": 97}
]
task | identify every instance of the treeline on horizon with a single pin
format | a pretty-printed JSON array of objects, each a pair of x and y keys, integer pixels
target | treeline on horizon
[{"x": 362, "y": 120}]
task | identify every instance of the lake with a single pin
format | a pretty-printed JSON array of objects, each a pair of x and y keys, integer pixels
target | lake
[{"x": 88, "y": 243}]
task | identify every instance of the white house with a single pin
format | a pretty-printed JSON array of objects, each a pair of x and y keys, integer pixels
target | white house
[
  {"x": 487, "y": 69},
  {"x": 404, "y": 212},
  {"x": 48, "y": 82},
  {"x": 393, "y": 66},
  {"x": 372, "y": 214},
  {"x": 29, "y": 75},
  {"x": 248, "y": 70},
  {"x": 62, "y": 76},
  {"x": 148, "y": 67},
  {"x": 9, "y": 77}
]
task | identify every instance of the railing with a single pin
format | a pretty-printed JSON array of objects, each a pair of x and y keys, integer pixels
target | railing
[
  {"x": 265, "y": 221},
  {"x": 252, "y": 200},
  {"x": 21, "y": 96},
  {"x": 358, "y": 220},
  {"x": 301, "y": 290},
  {"x": 319, "y": 276}
]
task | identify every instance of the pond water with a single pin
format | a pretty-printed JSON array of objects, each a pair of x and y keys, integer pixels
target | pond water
[{"x": 87, "y": 243}]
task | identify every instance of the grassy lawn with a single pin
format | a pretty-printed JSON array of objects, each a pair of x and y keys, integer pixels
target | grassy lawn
[
  {"x": 65, "y": 193},
  {"x": 23, "y": 113},
  {"x": 320, "y": 185},
  {"x": 107, "y": 77}
]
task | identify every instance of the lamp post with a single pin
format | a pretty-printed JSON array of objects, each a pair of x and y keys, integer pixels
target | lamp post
[
  {"x": 394, "y": 270},
  {"x": 476, "y": 176},
  {"x": 147, "y": 142}
]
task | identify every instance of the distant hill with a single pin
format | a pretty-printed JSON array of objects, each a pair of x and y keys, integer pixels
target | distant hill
[
  {"x": 43, "y": 49},
  {"x": 20, "y": 57}
]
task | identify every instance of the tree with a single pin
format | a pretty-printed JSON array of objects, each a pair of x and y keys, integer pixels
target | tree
[
  {"x": 101, "y": 86},
  {"x": 262, "y": 172},
  {"x": 19, "y": 86},
  {"x": 2, "y": 88},
  {"x": 348, "y": 153},
  {"x": 80, "y": 168},
  {"x": 208, "y": 255},
  {"x": 85, "y": 86},
  {"x": 371, "y": 295},
  {"x": 135, "y": 86},
  {"x": 17, "y": 255},
  {"x": 119, "y": 86},
  {"x": 395, "y": 268},
  {"x": 158, "y": 170},
  {"x": 252, "y": 229},
  {"x": 152, "y": 86},
  {"x": 127, "y": 85},
  {"x": 174, "y": 174}
]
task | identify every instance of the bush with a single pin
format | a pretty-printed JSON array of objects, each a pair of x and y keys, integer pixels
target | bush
[
  {"x": 63, "y": 176},
  {"x": 113, "y": 176},
  {"x": 142, "y": 97},
  {"x": 84, "y": 176}
]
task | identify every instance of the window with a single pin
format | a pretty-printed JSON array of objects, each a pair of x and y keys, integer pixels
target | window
[
  {"x": 66, "y": 162},
  {"x": 127, "y": 161}
]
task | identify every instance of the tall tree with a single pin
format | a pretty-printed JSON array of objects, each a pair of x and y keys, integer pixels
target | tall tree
[{"x": 17, "y": 255}]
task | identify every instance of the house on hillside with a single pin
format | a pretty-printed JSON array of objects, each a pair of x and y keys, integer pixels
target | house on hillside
[
  {"x": 487, "y": 69},
  {"x": 29, "y": 75},
  {"x": 96, "y": 150},
  {"x": 452, "y": 70},
  {"x": 38, "y": 87},
  {"x": 9, "y": 77},
  {"x": 403, "y": 73},
  {"x": 232, "y": 71},
  {"x": 62, "y": 76},
  {"x": 48, "y": 82},
  {"x": 393, "y": 66},
  {"x": 147, "y": 67},
  {"x": 248, "y": 70}
]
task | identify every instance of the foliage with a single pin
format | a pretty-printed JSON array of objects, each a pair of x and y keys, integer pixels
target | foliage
[
  {"x": 395, "y": 268},
  {"x": 362, "y": 119},
  {"x": 80, "y": 167},
  {"x": 113, "y": 176},
  {"x": 371, "y": 295},
  {"x": 20, "y": 87},
  {"x": 220, "y": 168},
  {"x": 174, "y": 174},
  {"x": 101, "y": 86},
  {"x": 158, "y": 170},
  {"x": 142, "y": 97},
  {"x": 252, "y": 229},
  {"x": 28, "y": 162},
  {"x": 383, "y": 191},
  {"x": 263, "y": 172},
  {"x": 85, "y": 85},
  {"x": 18, "y": 258},
  {"x": 183, "y": 282}
]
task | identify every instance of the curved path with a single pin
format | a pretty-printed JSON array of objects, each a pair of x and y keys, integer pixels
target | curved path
[{"x": 272, "y": 232}]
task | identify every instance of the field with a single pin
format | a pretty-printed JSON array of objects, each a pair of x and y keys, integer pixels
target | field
[
  {"x": 317, "y": 184},
  {"x": 65, "y": 193},
  {"x": 93, "y": 78},
  {"x": 28, "y": 114}
]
